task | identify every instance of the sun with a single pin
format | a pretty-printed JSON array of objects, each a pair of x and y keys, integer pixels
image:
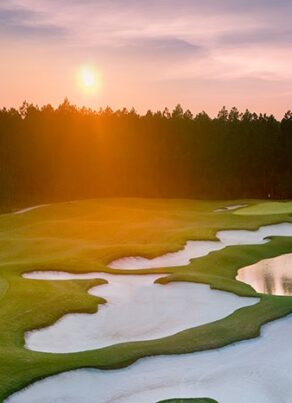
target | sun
[{"x": 89, "y": 79}]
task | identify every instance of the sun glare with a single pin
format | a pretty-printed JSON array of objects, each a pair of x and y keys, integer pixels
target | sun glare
[{"x": 89, "y": 79}]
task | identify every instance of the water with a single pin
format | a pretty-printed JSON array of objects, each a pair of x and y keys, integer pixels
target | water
[{"x": 269, "y": 276}]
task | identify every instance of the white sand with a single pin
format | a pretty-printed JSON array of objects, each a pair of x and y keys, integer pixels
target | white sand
[
  {"x": 194, "y": 249},
  {"x": 254, "y": 371},
  {"x": 137, "y": 309},
  {"x": 230, "y": 208},
  {"x": 25, "y": 210},
  {"x": 269, "y": 276}
]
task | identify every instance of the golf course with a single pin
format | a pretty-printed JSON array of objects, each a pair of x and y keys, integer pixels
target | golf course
[
  {"x": 73, "y": 316},
  {"x": 146, "y": 201}
]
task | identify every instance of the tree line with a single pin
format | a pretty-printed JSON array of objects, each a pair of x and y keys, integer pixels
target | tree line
[{"x": 65, "y": 153}]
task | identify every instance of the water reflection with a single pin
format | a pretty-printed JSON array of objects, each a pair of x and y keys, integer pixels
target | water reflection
[{"x": 269, "y": 276}]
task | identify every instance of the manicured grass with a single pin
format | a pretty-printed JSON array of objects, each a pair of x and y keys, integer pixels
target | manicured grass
[
  {"x": 85, "y": 236},
  {"x": 267, "y": 208}
]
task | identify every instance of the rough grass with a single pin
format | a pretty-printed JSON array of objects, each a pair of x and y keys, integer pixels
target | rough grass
[{"x": 86, "y": 236}]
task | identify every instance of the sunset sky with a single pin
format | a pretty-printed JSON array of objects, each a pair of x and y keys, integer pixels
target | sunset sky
[{"x": 148, "y": 53}]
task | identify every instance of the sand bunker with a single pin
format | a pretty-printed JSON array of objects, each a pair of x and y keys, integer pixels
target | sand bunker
[
  {"x": 230, "y": 208},
  {"x": 194, "y": 249},
  {"x": 25, "y": 210},
  {"x": 254, "y": 371},
  {"x": 269, "y": 276},
  {"x": 137, "y": 309}
]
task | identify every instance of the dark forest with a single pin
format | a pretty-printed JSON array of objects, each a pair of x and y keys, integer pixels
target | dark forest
[{"x": 71, "y": 153}]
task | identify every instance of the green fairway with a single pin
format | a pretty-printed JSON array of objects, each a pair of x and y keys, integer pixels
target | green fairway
[
  {"x": 267, "y": 208},
  {"x": 85, "y": 236}
]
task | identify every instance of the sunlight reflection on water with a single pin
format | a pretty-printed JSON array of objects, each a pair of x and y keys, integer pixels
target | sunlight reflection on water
[{"x": 269, "y": 276}]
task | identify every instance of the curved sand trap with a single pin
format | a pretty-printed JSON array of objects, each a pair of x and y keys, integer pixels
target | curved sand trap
[
  {"x": 254, "y": 371},
  {"x": 267, "y": 209},
  {"x": 25, "y": 210},
  {"x": 230, "y": 208},
  {"x": 269, "y": 276},
  {"x": 136, "y": 310},
  {"x": 194, "y": 249}
]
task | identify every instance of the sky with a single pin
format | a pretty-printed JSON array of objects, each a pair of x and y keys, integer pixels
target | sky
[{"x": 148, "y": 53}]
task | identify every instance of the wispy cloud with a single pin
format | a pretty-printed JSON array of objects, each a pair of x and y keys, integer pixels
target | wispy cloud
[
  {"x": 165, "y": 42},
  {"x": 24, "y": 22}
]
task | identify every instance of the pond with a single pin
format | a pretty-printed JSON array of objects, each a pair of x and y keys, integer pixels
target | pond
[{"x": 269, "y": 276}]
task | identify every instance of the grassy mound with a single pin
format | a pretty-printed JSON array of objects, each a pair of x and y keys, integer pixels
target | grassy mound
[{"x": 267, "y": 208}]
